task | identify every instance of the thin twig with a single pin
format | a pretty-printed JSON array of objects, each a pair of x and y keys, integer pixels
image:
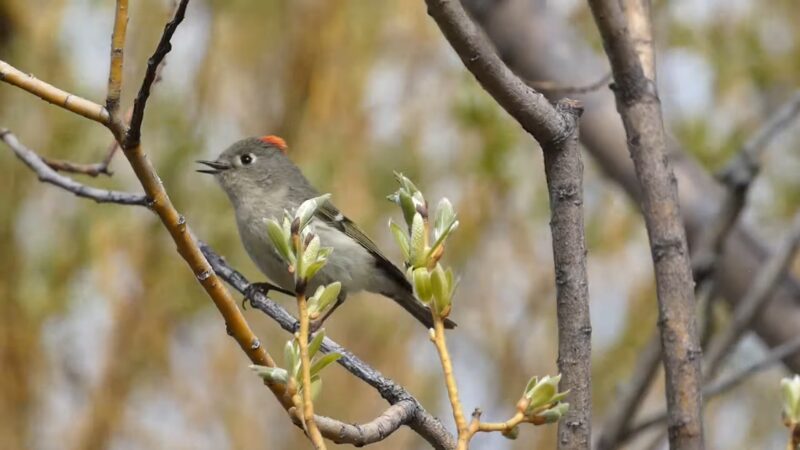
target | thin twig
[
  {"x": 640, "y": 109},
  {"x": 48, "y": 175},
  {"x": 554, "y": 89},
  {"x": 305, "y": 373},
  {"x": 54, "y": 95},
  {"x": 117, "y": 58},
  {"x": 133, "y": 134},
  {"x": 438, "y": 338}
]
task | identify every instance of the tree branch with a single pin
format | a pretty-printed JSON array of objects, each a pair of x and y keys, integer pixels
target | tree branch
[
  {"x": 640, "y": 109},
  {"x": 530, "y": 108},
  {"x": 48, "y": 175},
  {"x": 553, "y": 89},
  {"x": 564, "y": 172},
  {"x": 54, "y": 95},
  {"x": 117, "y": 58},
  {"x": 133, "y": 135},
  {"x": 706, "y": 255},
  {"x": 556, "y": 131}
]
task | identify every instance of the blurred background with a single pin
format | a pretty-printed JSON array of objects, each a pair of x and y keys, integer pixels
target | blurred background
[{"x": 108, "y": 341}]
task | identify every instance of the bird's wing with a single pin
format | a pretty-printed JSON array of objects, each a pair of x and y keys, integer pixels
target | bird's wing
[{"x": 331, "y": 216}]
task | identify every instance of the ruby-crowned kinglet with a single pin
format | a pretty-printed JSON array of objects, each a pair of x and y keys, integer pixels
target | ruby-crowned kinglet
[{"x": 261, "y": 182}]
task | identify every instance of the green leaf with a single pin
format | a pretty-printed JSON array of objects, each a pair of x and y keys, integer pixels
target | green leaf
[
  {"x": 544, "y": 391},
  {"x": 309, "y": 256},
  {"x": 313, "y": 302},
  {"x": 407, "y": 206},
  {"x": 313, "y": 268},
  {"x": 279, "y": 240},
  {"x": 405, "y": 183},
  {"x": 271, "y": 374},
  {"x": 401, "y": 238},
  {"x": 328, "y": 295},
  {"x": 422, "y": 284},
  {"x": 445, "y": 216},
  {"x": 417, "y": 244},
  {"x": 307, "y": 209},
  {"x": 440, "y": 289},
  {"x": 324, "y": 362},
  {"x": 529, "y": 387},
  {"x": 291, "y": 357},
  {"x": 790, "y": 390},
  {"x": 555, "y": 413},
  {"x": 316, "y": 343}
]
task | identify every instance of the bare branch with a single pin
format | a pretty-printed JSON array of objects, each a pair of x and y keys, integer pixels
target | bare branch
[
  {"x": 133, "y": 135},
  {"x": 556, "y": 131},
  {"x": 54, "y": 95},
  {"x": 640, "y": 109},
  {"x": 553, "y": 89},
  {"x": 48, "y": 175},
  {"x": 380, "y": 428},
  {"x": 530, "y": 108},
  {"x": 564, "y": 171},
  {"x": 92, "y": 170},
  {"x": 637, "y": 16},
  {"x": 117, "y": 57}
]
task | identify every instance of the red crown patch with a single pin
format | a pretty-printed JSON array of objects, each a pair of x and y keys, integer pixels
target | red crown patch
[{"x": 275, "y": 141}]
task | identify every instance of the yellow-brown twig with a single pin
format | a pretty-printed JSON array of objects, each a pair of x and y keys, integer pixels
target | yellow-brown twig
[
  {"x": 305, "y": 368},
  {"x": 117, "y": 57},
  {"x": 450, "y": 381},
  {"x": 54, "y": 95}
]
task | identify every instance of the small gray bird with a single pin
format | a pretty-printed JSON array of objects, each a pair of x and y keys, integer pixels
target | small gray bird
[{"x": 261, "y": 182}]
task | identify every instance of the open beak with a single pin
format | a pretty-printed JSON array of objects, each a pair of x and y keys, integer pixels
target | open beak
[{"x": 216, "y": 166}]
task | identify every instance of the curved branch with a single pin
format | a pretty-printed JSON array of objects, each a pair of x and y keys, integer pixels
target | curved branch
[{"x": 47, "y": 175}]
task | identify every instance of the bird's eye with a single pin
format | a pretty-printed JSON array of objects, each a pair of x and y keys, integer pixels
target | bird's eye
[{"x": 247, "y": 159}]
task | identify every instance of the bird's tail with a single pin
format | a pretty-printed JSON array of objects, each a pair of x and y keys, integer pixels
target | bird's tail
[{"x": 406, "y": 299}]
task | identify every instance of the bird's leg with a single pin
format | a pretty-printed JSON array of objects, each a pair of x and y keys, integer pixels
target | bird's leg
[
  {"x": 317, "y": 323},
  {"x": 264, "y": 289}
]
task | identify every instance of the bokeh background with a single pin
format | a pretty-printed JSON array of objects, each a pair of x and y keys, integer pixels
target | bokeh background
[{"x": 107, "y": 340}]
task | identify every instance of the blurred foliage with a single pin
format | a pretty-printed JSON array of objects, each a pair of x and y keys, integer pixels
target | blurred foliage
[{"x": 107, "y": 341}]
